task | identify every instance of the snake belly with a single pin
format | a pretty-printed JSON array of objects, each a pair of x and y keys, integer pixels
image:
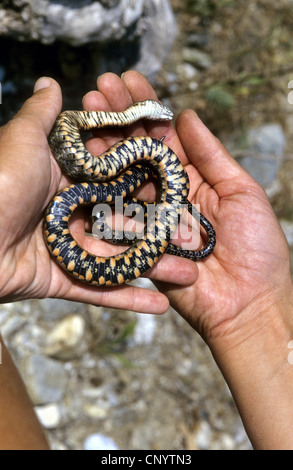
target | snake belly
[{"x": 117, "y": 172}]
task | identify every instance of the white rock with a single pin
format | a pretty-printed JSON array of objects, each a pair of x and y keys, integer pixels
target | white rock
[
  {"x": 99, "y": 442},
  {"x": 203, "y": 435},
  {"x": 64, "y": 340},
  {"x": 145, "y": 328},
  {"x": 49, "y": 415}
]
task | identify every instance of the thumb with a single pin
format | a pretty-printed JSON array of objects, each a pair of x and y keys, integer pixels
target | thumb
[{"x": 44, "y": 105}]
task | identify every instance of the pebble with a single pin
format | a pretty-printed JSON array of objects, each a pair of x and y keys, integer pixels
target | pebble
[
  {"x": 268, "y": 139},
  {"x": 99, "y": 442},
  {"x": 225, "y": 442},
  {"x": 45, "y": 378},
  {"x": 264, "y": 146},
  {"x": 95, "y": 411},
  {"x": 199, "y": 39},
  {"x": 203, "y": 436},
  {"x": 186, "y": 71},
  {"x": 196, "y": 57},
  {"x": 65, "y": 339},
  {"x": 49, "y": 415},
  {"x": 145, "y": 329},
  {"x": 263, "y": 170}
]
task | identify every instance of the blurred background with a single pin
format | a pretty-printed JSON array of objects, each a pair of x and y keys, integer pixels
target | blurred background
[{"x": 103, "y": 378}]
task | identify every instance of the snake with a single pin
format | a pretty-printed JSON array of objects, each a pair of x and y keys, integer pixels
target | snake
[{"x": 118, "y": 172}]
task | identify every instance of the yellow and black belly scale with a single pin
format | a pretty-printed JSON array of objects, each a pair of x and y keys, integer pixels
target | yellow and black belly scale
[{"x": 117, "y": 172}]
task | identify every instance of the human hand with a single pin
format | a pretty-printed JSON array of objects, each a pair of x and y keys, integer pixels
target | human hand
[
  {"x": 250, "y": 263},
  {"x": 240, "y": 300},
  {"x": 29, "y": 178}
]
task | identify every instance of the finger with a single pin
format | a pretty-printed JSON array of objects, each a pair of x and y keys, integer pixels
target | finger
[
  {"x": 102, "y": 139},
  {"x": 115, "y": 90},
  {"x": 125, "y": 297},
  {"x": 185, "y": 269},
  {"x": 44, "y": 105},
  {"x": 138, "y": 86},
  {"x": 208, "y": 155},
  {"x": 25, "y": 147},
  {"x": 119, "y": 99}
]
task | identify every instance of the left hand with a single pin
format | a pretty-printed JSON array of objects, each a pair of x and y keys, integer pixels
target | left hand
[{"x": 29, "y": 178}]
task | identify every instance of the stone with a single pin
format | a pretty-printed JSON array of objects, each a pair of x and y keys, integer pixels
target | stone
[
  {"x": 80, "y": 22},
  {"x": 262, "y": 156},
  {"x": 196, "y": 57},
  {"x": 268, "y": 139},
  {"x": 263, "y": 170},
  {"x": 99, "y": 442},
  {"x": 65, "y": 339},
  {"x": 203, "y": 435},
  {"x": 145, "y": 329},
  {"x": 199, "y": 39},
  {"x": 45, "y": 378},
  {"x": 49, "y": 415}
]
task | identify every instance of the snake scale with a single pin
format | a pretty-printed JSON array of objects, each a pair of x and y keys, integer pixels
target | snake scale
[{"x": 117, "y": 172}]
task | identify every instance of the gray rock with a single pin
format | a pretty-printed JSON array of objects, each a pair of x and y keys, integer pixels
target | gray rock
[
  {"x": 263, "y": 154},
  {"x": 155, "y": 40},
  {"x": 196, "y": 57},
  {"x": 45, "y": 378},
  {"x": 268, "y": 139},
  {"x": 263, "y": 170},
  {"x": 199, "y": 39},
  {"x": 52, "y": 309},
  {"x": 81, "y": 22}
]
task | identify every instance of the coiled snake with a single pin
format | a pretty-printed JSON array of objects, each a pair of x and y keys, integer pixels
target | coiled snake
[{"x": 117, "y": 172}]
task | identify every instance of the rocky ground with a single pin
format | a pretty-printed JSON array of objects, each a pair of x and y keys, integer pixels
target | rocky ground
[{"x": 148, "y": 382}]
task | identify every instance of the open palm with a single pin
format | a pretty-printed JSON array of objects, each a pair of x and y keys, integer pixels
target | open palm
[
  {"x": 251, "y": 256},
  {"x": 29, "y": 178}
]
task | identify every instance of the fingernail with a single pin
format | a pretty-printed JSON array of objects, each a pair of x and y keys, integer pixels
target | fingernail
[{"x": 41, "y": 83}]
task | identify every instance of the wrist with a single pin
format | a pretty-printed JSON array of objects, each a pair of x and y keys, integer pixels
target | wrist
[
  {"x": 262, "y": 330},
  {"x": 255, "y": 361}
]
